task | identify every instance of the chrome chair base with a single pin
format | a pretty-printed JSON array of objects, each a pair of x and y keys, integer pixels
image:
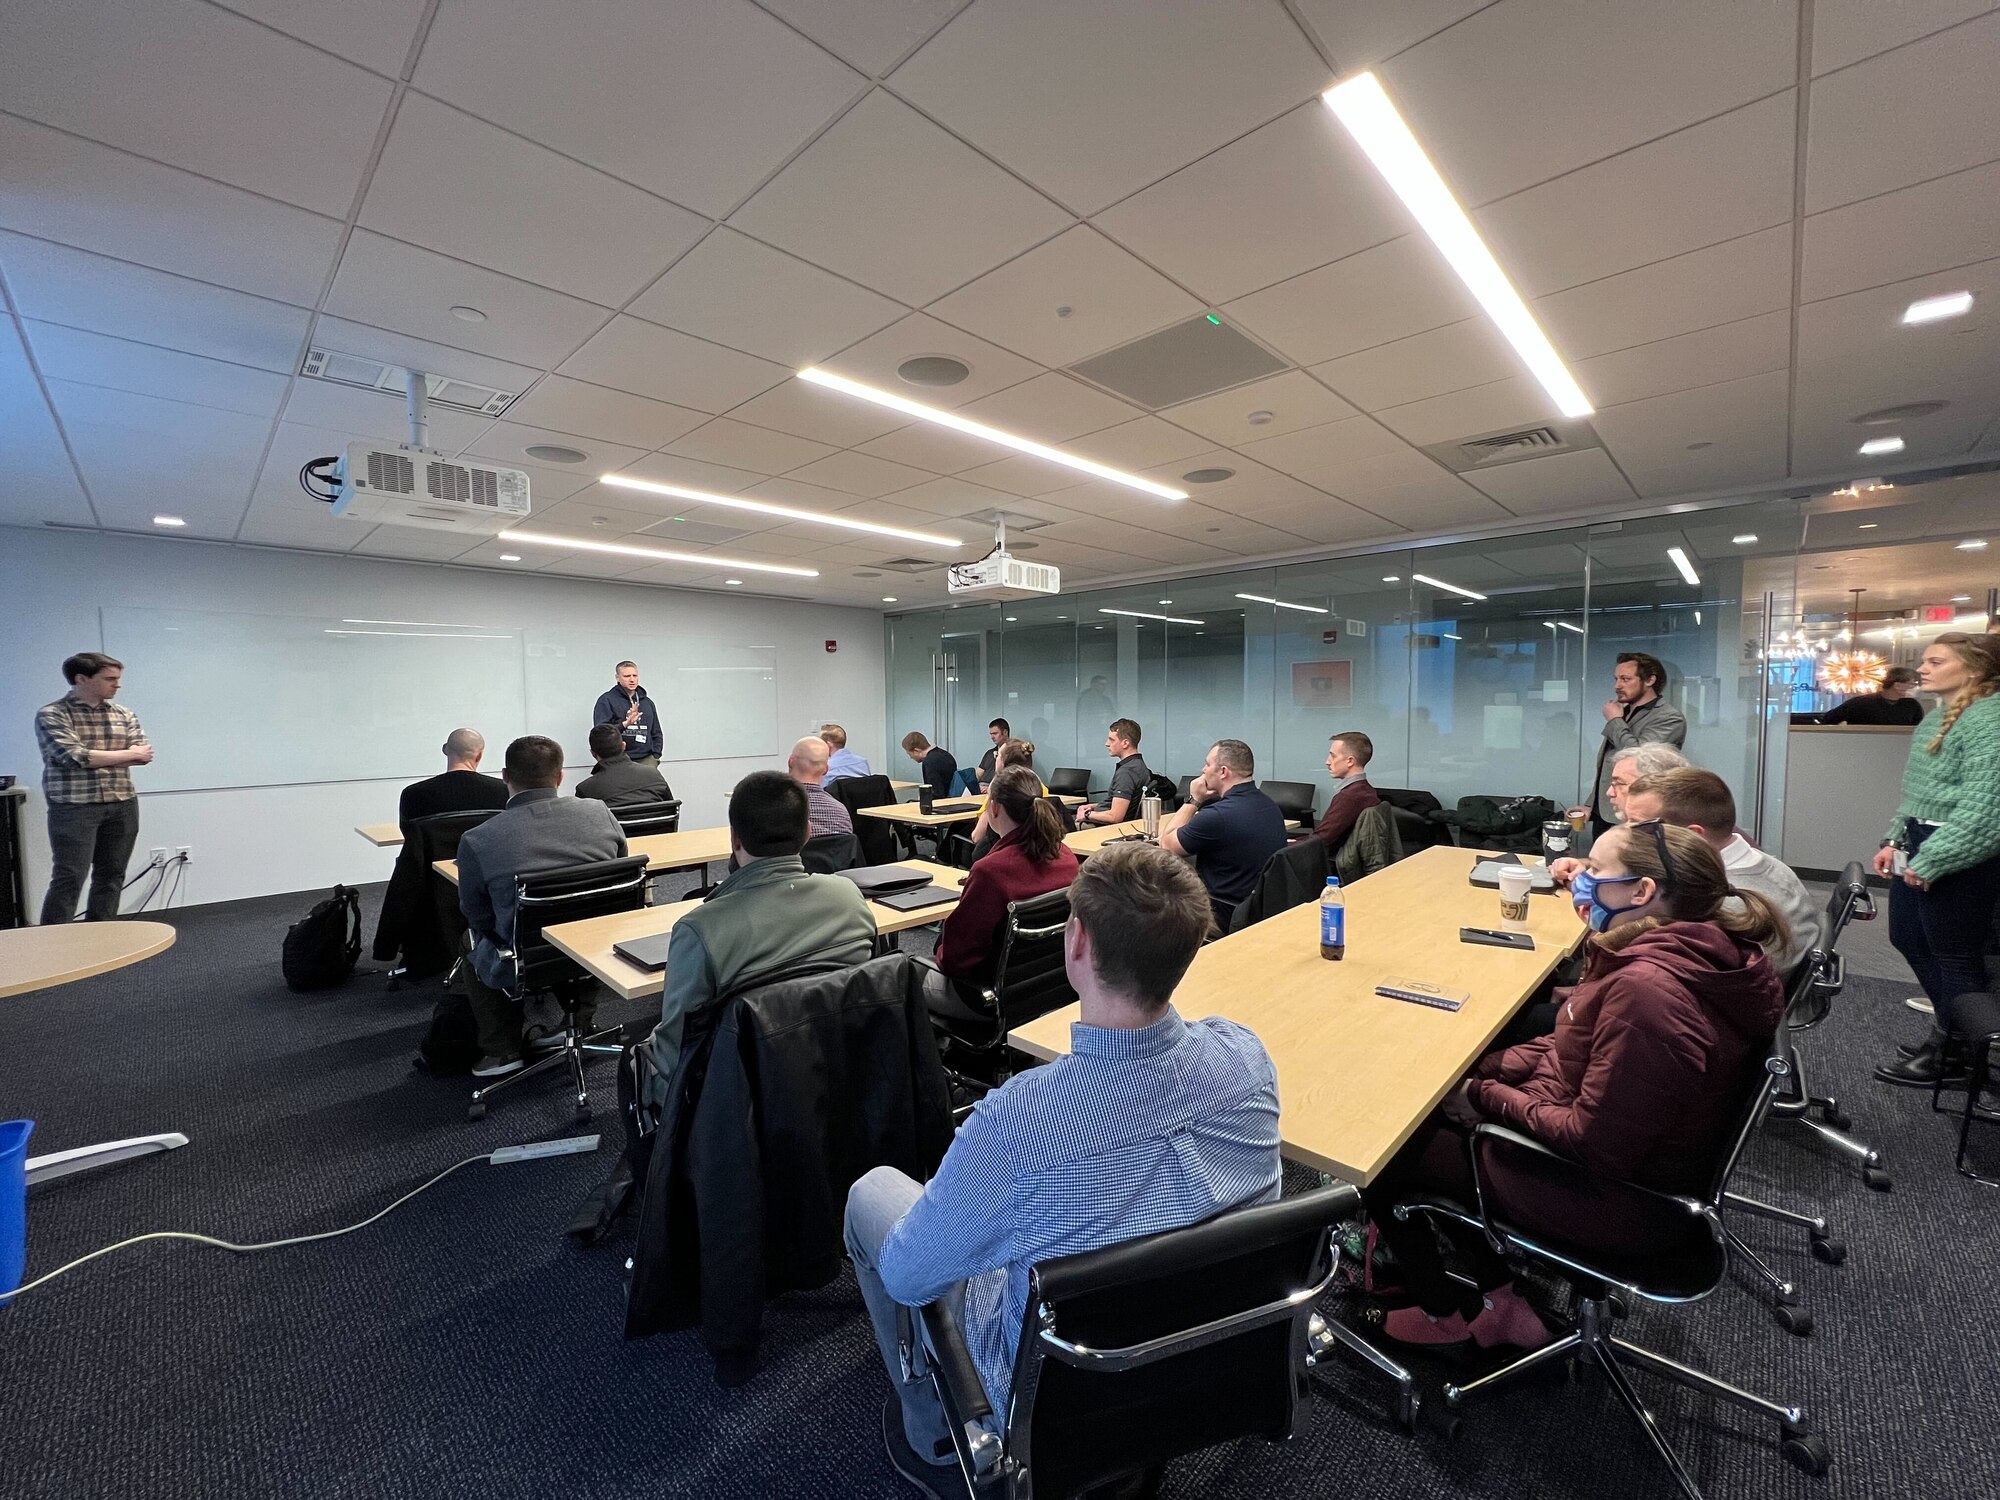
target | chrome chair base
[{"x": 572, "y": 1047}]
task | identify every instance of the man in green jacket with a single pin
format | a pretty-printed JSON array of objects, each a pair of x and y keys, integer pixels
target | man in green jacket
[{"x": 769, "y": 914}]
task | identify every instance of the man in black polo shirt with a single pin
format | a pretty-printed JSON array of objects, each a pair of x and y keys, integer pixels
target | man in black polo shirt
[
  {"x": 980, "y": 778},
  {"x": 459, "y": 787},
  {"x": 627, "y": 706},
  {"x": 1229, "y": 827},
  {"x": 1128, "y": 777}
]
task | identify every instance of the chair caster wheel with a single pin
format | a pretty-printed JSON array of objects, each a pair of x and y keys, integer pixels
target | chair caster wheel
[
  {"x": 1409, "y": 1407},
  {"x": 583, "y": 1114},
  {"x": 1876, "y": 1178},
  {"x": 1445, "y": 1423},
  {"x": 1839, "y": 1119},
  {"x": 1793, "y": 1318},
  {"x": 1832, "y": 1251},
  {"x": 476, "y": 1112},
  {"x": 1807, "y": 1451}
]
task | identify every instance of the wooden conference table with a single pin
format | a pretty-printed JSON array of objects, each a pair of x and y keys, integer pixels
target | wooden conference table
[
  {"x": 966, "y": 808},
  {"x": 589, "y": 941},
  {"x": 1358, "y": 1072},
  {"x": 664, "y": 851}
]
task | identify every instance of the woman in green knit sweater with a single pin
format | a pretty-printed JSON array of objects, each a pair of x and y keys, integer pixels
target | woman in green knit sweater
[{"x": 1942, "y": 855}]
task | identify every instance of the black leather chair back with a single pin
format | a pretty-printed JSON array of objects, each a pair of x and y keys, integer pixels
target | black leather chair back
[
  {"x": 569, "y": 894},
  {"x": 1293, "y": 876},
  {"x": 1295, "y": 797},
  {"x": 1029, "y": 981},
  {"x": 639, "y": 819},
  {"x": 1181, "y": 790},
  {"x": 1414, "y": 823},
  {"x": 1851, "y": 901},
  {"x": 436, "y": 837},
  {"x": 1130, "y": 1368},
  {"x": 877, "y": 838},
  {"x": 827, "y": 852},
  {"x": 1070, "y": 781}
]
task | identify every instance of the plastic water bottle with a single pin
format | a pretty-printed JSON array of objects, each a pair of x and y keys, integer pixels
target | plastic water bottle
[{"x": 1332, "y": 920}]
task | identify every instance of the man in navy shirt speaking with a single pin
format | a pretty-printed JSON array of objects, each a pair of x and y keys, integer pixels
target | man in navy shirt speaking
[
  {"x": 1229, "y": 827},
  {"x": 627, "y": 706}
]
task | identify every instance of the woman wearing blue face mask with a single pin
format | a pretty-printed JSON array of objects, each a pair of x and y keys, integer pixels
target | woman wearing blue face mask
[{"x": 1640, "y": 1080}]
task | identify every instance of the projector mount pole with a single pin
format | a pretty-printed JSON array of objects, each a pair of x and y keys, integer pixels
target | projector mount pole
[{"x": 420, "y": 409}]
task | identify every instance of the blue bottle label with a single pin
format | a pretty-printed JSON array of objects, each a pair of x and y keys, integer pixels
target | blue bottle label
[{"x": 1333, "y": 926}]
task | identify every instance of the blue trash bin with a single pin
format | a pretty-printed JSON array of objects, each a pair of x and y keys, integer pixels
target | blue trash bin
[{"x": 13, "y": 1201}]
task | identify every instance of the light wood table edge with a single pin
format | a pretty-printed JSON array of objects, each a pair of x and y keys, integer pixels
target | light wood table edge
[
  {"x": 159, "y": 937},
  {"x": 381, "y": 835}
]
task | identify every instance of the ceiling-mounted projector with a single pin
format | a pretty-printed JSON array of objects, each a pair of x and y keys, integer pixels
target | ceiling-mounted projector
[
  {"x": 414, "y": 484},
  {"x": 1001, "y": 575}
]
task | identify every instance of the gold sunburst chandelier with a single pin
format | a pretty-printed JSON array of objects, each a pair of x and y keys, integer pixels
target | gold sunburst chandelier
[{"x": 1852, "y": 672}]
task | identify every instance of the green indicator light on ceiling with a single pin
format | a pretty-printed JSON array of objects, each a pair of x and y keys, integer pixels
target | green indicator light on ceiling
[
  {"x": 1215, "y": 320},
  {"x": 680, "y": 518}
]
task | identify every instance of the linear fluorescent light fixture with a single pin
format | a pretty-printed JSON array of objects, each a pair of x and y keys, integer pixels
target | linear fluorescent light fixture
[
  {"x": 1142, "y": 615},
  {"x": 1377, "y": 127},
  {"x": 444, "y": 634},
  {"x": 1572, "y": 629},
  {"x": 1680, "y": 560},
  {"x": 1880, "y": 445},
  {"x": 1933, "y": 309},
  {"x": 421, "y": 624},
  {"x": 661, "y": 554},
  {"x": 980, "y": 430},
  {"x": 1449, "y": 588},
  {"x": 787, "y": 512},
  {"x": 1310, "y": 609}
]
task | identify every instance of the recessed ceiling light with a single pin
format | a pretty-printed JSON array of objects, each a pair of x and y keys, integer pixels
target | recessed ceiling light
[
  {"x": 1166, "y": 601},
  {"x": 935, "y": 369},
  {"x": 1679, "y": 559},
  {"x": 1392, "y": 577},
  {"x": 1572, "y": 629},
  {"x": 1011, "y": 619},
  {"x": 510, "y": 557},
  {"x": 1973, "y": 544},
  {"x": 971, "y": 428},
  {"x": 555, "y": 453},
  {"x": 789, "y": 512},
  {"x": 1311, "y": 609},
  {"x": 1868, "y": 526},
  {"x": 1932, "y": 309},
  {"x": 168, "y": 521},
  {"x": 735, "y": 583},
  {"x": 1259, "y": 418},
  {"x": 1745, "y": 539},
  {"x": 468, "y": 315},
  {"x": 1369, "y": 115},
  {"x": 626, "y": 549},
  {"x": 1961, "y": 598},
  {"x": 1891, "y": 416},
  {"x": 1881, "y": 445},
  {"x": 1140, "y": 614},
  {"x": 1439, "y": 583},
  {"x": 600, "y": 520},
  {"x": 888, "y": 598},
  {"x": 1208, "y": 476}
]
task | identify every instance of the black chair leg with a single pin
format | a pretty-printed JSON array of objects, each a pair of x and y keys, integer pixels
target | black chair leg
[{"x": 1980, "y": 1081}]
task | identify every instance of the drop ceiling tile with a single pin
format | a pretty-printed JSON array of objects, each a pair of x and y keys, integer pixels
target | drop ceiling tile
[
  {"x": 1721, "y": 284},
  {"x": 389, "y": 284},
  {"x": 1915, "y": 113},
  {"x": 959, "y": 496},
  {"x": 1951, "y": 221},
  {"x": 1728, "y": 351},
  {"x": 732, "y": 290},
  {"x": 1292, "y": 195},
  {"x": 1845, "y": 31},
  {"x": 874, "y": 361},
  {"x": 413, "y": 544},
  {"x": 812, "y": 411},
  {"x": 142, "y": 454},
  {"x": 1022, "y": 475},
  {"x": 93, "y": 359},
  {"x": 1389, "y": 292},
  {"x": 1141, "y": 444},
  {"x": 1051, "y": 408},
  {"x": 588, "y": 234},
  {"x": 409, "y": 353},
  {"x": 858, "y": 474},
  {"x": 591, "y": 517},
  {"x": 508, "y": 443},
  {"x": 1436, "y": 505},
  {"x": 1655, "y": 201},
  {"x": 1330, "y": 521},
  {"x": 597, "y": 411},
  {"x": 375, "y": 33},
  {"x": 630, "y": 354},
  {"x": 63, "y": 188},
  {"x": 1742, "y": 420},
  {"x": 341, "y": 413},
  {"x": 934, "y": 449},
  {"x": 1109, "y": 295},
  {"x": 1403, "y": 472},
  {"x": 873, "y": 35},
  {"x": 1526, "y": 91},
  {"x": 1868, "y": 325},
  {"x": 741, "y": 446},
  {"x": 1360, "y": 33},
  {"x": 40, "y": 483},
  {"x": 1318, "y": 454},
  {"x": 1825, "y": 439},
  {"x": 888, "y": 199},
  {"x": 1293, "y": 400},
  {"x": 1428, "y": 364},
  {"x": 60, "y": 285},
  {"x": 1150, "y": 88},
  {"x": 670, "y": 468},
  {"x": 696, "y": 103},
  {"x": 273, "y": 525},
  {"x": 1514, "y": 402},
  {"x": 1252, "y": 486},
  {"x": 1559, "y": 482},
  {"x": 282, "y": 119},
  {"x": 789, "y": 491}
]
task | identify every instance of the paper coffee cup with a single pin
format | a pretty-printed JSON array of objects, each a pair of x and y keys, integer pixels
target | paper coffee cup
[{"x": 1515, "y": 883}]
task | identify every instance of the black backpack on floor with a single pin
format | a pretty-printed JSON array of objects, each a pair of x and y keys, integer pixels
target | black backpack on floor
[{"x": 322, "y": 946}]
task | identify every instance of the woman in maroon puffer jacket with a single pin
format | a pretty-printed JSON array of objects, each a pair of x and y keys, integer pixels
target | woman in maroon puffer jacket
[{"x": 1642, "y": 1080}]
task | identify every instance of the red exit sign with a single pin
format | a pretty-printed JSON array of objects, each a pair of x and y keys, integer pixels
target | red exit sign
[{"x": 1938, "y": 614}]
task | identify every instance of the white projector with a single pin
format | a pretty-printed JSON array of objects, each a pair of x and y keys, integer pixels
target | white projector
[
  {"x": 1003, "y": 577},
  {"x": 421, "y": 487}
]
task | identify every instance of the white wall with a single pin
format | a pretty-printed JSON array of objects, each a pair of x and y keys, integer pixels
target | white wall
[{"x": 254, "y": 841}]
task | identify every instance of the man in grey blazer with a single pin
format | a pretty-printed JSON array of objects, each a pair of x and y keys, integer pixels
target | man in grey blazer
[{"x": 537, "y": 830}]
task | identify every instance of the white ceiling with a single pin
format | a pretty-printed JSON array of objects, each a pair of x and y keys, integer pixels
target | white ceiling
[{"x": 664, "y": 210}]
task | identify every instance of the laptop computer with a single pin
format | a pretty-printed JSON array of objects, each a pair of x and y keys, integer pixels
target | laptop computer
[
  {"x": 877, "y": 880},
  {"x": 930, "y": 895},
  {"x": 648, "y": 953}
]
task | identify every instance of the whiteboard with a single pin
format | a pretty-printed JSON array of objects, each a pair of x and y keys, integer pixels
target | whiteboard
[
  {"x": 716, "y": 700},
  {"x": 265, "y": 700}
]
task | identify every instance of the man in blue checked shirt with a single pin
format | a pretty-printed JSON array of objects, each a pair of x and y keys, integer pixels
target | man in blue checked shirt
[{"x": 1149, "y": 1123}]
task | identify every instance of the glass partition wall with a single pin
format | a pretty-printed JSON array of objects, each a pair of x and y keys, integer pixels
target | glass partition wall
[{"x": 1475, "y": 667}]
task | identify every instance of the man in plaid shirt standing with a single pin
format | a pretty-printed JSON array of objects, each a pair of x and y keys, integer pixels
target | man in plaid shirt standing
[{"x": 89, "y": 745}]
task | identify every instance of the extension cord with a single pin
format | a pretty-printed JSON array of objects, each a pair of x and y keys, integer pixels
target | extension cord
[{"x": 575, "y": 1145}]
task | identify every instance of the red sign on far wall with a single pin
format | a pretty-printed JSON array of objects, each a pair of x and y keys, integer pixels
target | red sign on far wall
[
  {"x": 831, "y": 647},
  {"x": 1938, "y": 614}
]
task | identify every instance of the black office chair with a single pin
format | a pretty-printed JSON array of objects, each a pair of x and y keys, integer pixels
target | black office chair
[
  {"x": 1415, "y": 825},
  {"x": 1687, "y": 1258},
  {"x": 436, "y": 838},
  {"x": 827, "y": 852},
  {"x": 549, "y": 897},
  {"x": 1139, "y": 1353},
  {"x": 1975, "y": 1025},
  {"x": 1293, "y": 876},
  {"x": 878, "y": 838},
  {"x": 1028, "y": 983},
  {"x": 1181, "y": 790},
  {"x": 641, "y": 818},
  {"x": 1294, "y": 797},
  {"x": 1372, "y": 845},
  {"x": 1070, "y": 781}
]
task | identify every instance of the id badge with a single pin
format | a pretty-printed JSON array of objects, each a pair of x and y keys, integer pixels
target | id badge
[
  {"x": 638, "y": 733},
  {"x": 1902, "y": 862}
]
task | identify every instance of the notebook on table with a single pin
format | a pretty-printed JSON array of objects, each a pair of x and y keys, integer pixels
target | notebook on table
[
  {"x": 878, "y": 880},
  {"x": 930, "y": 895},
  {"x": 648, "y": 953}
]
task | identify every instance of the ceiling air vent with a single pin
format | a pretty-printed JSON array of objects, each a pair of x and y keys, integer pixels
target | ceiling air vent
[
  {"x": 373, "y": 375},
  {"x": 1523, "y": 444},
  {"x": 1191, "y": 359},
  {"x": 1486, "y": 449}
]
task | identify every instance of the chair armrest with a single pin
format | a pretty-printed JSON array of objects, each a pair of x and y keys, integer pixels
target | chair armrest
[
  {"x": 1487, "y": 1135},
  {"x": 965, "y": 1393}
]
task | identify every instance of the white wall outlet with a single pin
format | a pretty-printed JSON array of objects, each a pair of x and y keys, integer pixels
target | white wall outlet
[
  {"x": 156, "y": 856},
  {"x": 182, "y": 854}
]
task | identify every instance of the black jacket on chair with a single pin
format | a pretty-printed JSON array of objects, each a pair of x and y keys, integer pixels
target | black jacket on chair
[{"x": 799, "y": 1087}]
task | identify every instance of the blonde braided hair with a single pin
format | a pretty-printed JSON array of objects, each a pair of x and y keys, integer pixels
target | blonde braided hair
[{"x": 1981, "y": 654}]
